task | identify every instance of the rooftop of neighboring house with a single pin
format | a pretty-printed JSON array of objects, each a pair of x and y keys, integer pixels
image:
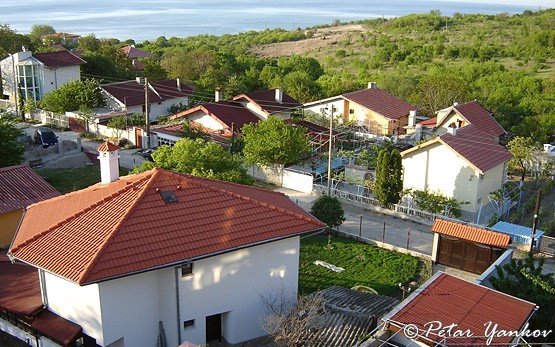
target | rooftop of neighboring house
[
  {"x": 134, "y": 53},
  {"x": 20, "y": 296},
  {"x": 151, "y": 220},
  {"x": 471, "y": 233},
  {"x": 270, "y": 101},
  {"x": 132, "y": 93},
  {"x": 20, "y": 187},
  {"x": 476, "y": 147},
  {"x": 381, "y": 102},
  {"x": 225, "y": 112},
  {"x": 177, "y": 131},
  {"x": 451, "y": 300},
  {"x": 474, "y": 113},
  {"x": 61, "y": 58},
  {"x": 348, "y": 316}
]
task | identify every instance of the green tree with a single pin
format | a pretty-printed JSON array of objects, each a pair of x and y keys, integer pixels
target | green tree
[
  {"x": 11, "y": 41},
  {"x": 39, "y": 30},
  {"x": 522, "y": 149},
  {"x": 89, "y": 43},
  {"x": 525, "y": 279},
  {"x": 389, "y": 177},
  {"x": 328, "y": 209},
  {"x": 274, "y": 142},
  {"x": 73, "y": 96},
  {"x": 440, "y": 88},
  {"x": 11, "y": 150},
  {"x": 199, "y": 158},
  {"x": 119, "y": 124},
  {"x": 153, "y": 70}
]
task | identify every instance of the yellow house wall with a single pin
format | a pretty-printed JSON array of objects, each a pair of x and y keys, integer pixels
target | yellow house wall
[
  {"x": 492, "y": 180},
  {"x": 375, "y": 121},
  {"x": 450, "y": 119},
  {"x": 439, "y": 169},
  {"x": 8, "y": 226}
]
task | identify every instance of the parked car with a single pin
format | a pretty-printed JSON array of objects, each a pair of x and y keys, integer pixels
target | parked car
[
  {"x": 45, "y": 137},
  {"x": 147, "y": 154}
]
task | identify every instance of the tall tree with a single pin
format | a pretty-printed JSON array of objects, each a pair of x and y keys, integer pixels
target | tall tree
[
  {"x": 73, "y": 96},
  {"x": 199, "y": 158},
  {"x": 440, "y": 88},
  {"x": 522, "y": 149},
  {"x": 11, "y": 150},
  {"x": 274, "y": 142},
  {"x": 39, "y": 30},
  {"x": 389, "y": 177},
  {"x": 11, "y": 41}
]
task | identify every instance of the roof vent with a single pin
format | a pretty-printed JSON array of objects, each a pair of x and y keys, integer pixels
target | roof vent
[{"x": 168, "y": 197}]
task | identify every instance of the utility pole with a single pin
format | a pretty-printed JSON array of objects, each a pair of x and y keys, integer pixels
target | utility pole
[
  {"x": 330, "y": 151},
  {"x": 146, "y": 115},
  {"x": 535, "y": 221}
]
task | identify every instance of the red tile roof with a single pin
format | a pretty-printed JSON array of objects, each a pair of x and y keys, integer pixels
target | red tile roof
[
  {"x": 266, "y": 100},
  {"x": 132, "y": 52},
  {"x": 381, "y": 102},
  {"x": 133, "y": 94},
  {"x": 477, "y": 115},
  {"x": 225, "y": 112},
  {"x": 107, "y": 147},
  {"x": 20, "y": 186},
  {"x": 429, "y": 122},
  {"x": 471, "y": 233},
  {"x": 476, "y": 147},
  {"x": 449, "y": 300},
  {"x": 125, "y": 227},
  {"x": 20, "y": 295},
  {"x": 59, "y": 59}
]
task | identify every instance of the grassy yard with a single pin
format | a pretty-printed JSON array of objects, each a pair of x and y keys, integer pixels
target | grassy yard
[
  {"x": 364, "y": 264},
  {"x": 70, "y": 179}
]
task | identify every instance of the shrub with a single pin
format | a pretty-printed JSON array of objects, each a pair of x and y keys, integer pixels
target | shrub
[{"x": 329, "y": 210}]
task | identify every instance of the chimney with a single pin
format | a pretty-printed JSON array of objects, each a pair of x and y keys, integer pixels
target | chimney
[
  {"x": 279, "y": 95},
  {"x": 217, "y": 95},
  {"x": 178, "y": 84},
  {"x": 139, "y": 80},
  {"x": 455, "y": 104},
  {"x": 412, "y": 118},
  {"x": 452, "y": 129},
  {"x": 108, "y": 154},
  {"x": 372, "y": 85}
]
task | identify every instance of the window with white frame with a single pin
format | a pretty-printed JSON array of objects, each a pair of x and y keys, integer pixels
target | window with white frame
[{"x": 29, "y": 81}]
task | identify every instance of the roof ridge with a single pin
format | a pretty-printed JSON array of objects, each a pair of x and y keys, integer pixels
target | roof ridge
[
  {"x": 73, "y": 216},
  {"x": 246, "y": 198},
  {"x": 95, "y": 258},
  {"x": 13, "y": 167}
]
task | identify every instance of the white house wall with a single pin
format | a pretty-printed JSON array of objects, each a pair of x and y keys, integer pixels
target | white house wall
[
  {"x": 233, "y": 284},
  {"x": 205, "y": 120},
  {"x": 79, "y": 304},
  {"x": 439, "y": 169},
  {"x": 492, "y": 180},
  {"x": 53, "y": 79},
  {"x": 337, "y": 103}
]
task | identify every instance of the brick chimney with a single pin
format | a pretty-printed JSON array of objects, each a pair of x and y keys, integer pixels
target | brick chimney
[{"x": 108, "y": 155}]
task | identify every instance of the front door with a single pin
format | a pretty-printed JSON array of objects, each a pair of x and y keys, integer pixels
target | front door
[{"x": 214, "y": 328}]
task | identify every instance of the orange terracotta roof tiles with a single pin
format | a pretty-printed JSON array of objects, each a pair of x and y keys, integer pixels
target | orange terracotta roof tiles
[
  {"x": 126, "y": 227},
  {"x": 107, "y": 147},
  {"x": 451, "y": 300},
  {"x": 471, "y": 233},
  {"x": 20, "y": 186}
]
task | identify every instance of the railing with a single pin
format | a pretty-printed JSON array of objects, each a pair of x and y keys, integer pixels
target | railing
[{"x": 547, "y": 245}]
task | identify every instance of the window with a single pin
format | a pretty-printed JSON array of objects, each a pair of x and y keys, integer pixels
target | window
[
  {"x": 188, "y": 323},
  {"x": 28, "y": 81},
  {"x": 187, "y": 270},
  {"x": 168, "y": 197},
  {"x": 351, "y": 111}
]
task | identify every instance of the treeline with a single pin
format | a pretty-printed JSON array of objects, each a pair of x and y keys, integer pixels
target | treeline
[{"x": 430, "y": 60}]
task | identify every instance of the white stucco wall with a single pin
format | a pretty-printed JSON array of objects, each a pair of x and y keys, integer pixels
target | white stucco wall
[
  {"x": 492, "y": 180},
  {"x": 205, "y": 120},
  {"x": 437, "y": 168},
  {"x": 79, "y": 304},
  {"x": 53, "y": 79},
  {"x": 232, "y": 284},
  {"x": 337, "y": 103},
  {"x": 156, "y": 109}
]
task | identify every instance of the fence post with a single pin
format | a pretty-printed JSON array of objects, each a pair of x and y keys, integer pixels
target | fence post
[
  {"x": 383, "y": 234},
  {"x": 408, "y": 239},
  {"x": 360, "y": 228}
]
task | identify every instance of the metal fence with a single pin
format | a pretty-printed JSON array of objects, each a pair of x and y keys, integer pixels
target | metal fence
[
  {"x": 5, "y": 104},
  {"x": 547, "y": 245}
]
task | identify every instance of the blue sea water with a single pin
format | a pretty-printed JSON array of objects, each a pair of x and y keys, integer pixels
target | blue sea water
[{"x": 147, "y": 19}]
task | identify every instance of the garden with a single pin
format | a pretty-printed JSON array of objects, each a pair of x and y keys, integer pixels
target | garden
[{"x": 364, "y": 264}]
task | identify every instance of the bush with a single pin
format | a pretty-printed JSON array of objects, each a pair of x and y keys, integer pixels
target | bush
[{"x": 329, "y": 210}]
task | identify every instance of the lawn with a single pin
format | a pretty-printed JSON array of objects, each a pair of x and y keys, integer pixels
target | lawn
[
  {"x": 71, "y": 179},
  {"x": 364, "y": 264}
]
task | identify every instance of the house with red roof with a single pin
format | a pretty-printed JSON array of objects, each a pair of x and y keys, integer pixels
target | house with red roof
[
  {"x": 380, "y": 112},
  {"x": 34, "y": 75},
  {"x": 477, "y": 315},
  {"x": 20, "y": 187},
  {"x": 461, "y": 115},
  {"x": 130, "y": 96},
  {"x": 163, "y": 255},
  {"x": 272, "y": 102},
  {"x": 464, "y": 163},
  {"x": 135, "y": 54}
]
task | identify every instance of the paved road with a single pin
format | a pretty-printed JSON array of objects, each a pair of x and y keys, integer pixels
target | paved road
[{"x": 396, "y": 230}]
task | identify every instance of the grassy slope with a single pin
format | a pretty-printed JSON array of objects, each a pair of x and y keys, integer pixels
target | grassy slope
[{"x": 364, "y": 264}]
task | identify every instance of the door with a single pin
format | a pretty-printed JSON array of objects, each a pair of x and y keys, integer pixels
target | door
[
  {"x": 466, "y": 255},
  {"x": 214, "y": 328},
  {"x": 138, "y": 137}
]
